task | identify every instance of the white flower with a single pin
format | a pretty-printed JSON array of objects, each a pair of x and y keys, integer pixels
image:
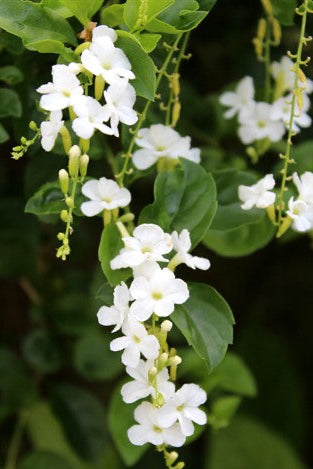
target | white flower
[
  {"x": 258, "y": 124},
  {"x": 183, "y": 406},
  {"x": 162, "y": 141},
  {"x": 304, "y": 185},
  {"x": 135, "y": 341},
  {"x": 302, "y": 215},
  {"x": 117, "y": 314},
  {"x": 50, "y": 130},
  {"x": 239, "y": 101},
  {"x": 102, "y": 58},
  {"x": 259, "y": 194},
  {"x": 281, "y": 110},
  {"x": 104, "y": 30},
  {"x": 149, "y": 242},
  {"x": 90, "y": 116},
  {"x": 285, "y": 76},
  {"x": 149, "y": 431},
  {"x": 157, "y": 294},
  {"x": 105, "y": 194},
  {"x": 75, "y": 68},
  {"x": 64, "y": 90},
  {"x": 141, "y": 386},
  {"x": 182, "y": 245},
  {"x": 120, "y": 99}
]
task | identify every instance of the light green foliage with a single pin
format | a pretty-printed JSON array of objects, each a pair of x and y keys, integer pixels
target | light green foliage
[
  {"x": 247, "y": 444},
  {"x": 35, "y": 24},
  {"x": 82, "y": 9},
  {"x": 121, "y": 418},
  {"x": 110, "y": 245},
  {"x": 235, "y": 232},
  {"x": 112, "y": 15},
  {"x": 206, "y": 322},
  {"x": 184, "y": 198},
  {"x": 152, "y": 8}
]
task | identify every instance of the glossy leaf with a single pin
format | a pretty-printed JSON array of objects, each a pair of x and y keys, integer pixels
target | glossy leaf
[
  {"x": 83, "y": 419},
  {"x": 206, "y": 321},
  {"x": 58, "y": 7},
  {"x": 142, "y": 65},
  {"x": 112, "y": 15},
  {"x": 10, "y": 103},
  {"x": 132, "y": 10},
  {"x": 118, "y": 427},
  {"x": 33, "y": 22},
  {"x": 149, "y": 41},
  {"x": 82, "y": 9},
  {"x": 110, "y": 245},
  {"x": 184, "y": 198}
]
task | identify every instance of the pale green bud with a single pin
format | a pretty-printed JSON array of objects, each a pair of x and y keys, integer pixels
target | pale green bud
[
  {"x": 61, "y": 236},
  {"x": 69, "y": 202},
  {"x": 73, "y": 163},
  {"x": 33, "y": 126},
  {"x": 64, "y": 180},
  {"x": 180, "y": 465},
  {"x": 64, "y": 215},
  {"x": 172, "y": 457},
  {"x": 83, "y": 164},
  {"x": 166, "y": 326}
]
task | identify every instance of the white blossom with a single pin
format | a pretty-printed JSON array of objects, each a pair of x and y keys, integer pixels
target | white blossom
[
  {"x": 64, "y": 90},
  {"x": 241, "y": 101},
  {"x": 104, "y": 194},
  {"x": 90, "y": 116},
  {"x": 117, "y": 314},
  {"x": 258, "y": 194},
  {"x": 120, "y": 99},
  {"x": 160, "y": 141},
  {"x": 301, "y": 214},
  {"x": 149, "y": 242},
  {"x": 135, "y": 341},
  {"x": 50, "y": 130},
  {"x": 259, "y": 124},
  {"x": 149, "y": 430},
  {"x": 103, "y": 58},
  {"x": 103, "y": 30},
  {"x": 157, "y": 294},
  {"x": 281, "y": 110},
  {"x": 183, "y": 406},
  {"x": 304, "y": 185},
  {"x": 182, "y": 245},
  {"x": 141, "y": 386},
  {"x": 284, "y": 74}
]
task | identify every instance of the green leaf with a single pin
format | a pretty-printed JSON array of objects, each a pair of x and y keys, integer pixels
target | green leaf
[
  {"x": 183, "y": 198},
  {"x": 41, "y": 351},
  {"x": 247, "y": 444},
  {"x": 83, "y": 419},
  {"x": 10, "y": 104},
  {"x": 284, "y": 10},
  {"x": 236, "y": 232},
  {"x": 44, "y": 459},
  {"x": 222, "y": 411},
  {"x": 4, "y": 136},
  {"x": 121, "y": 418},
  {"x": 46, "y": 46},
  {"x": 82, "y": 9},
  {"x": 33, "y": 22},
  {"x": 112, "y": 15},
  {"x": 142, "y": 65},
  {"x": 132, "y": 10},
  {"x": 206, "y": 321},
  {"x": 149, "y": 41},
  {"x": 41, "y": 424},
  {"x": 11, "y": 75},
  {"x": 110, "y": 245},
  {"x": 93, "y": 358},
  {"x": 57, "y": 7},
  {"x": 232, "y": 375}
]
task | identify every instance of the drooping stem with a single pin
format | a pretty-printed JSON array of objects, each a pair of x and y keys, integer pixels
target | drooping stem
[
  {"x": 13, "y": 450},
  {"x": 296, "y": 90}
]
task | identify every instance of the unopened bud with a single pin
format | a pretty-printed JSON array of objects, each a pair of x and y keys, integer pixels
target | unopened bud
[
  {"x": 61, "y": 236},
  {"x": 171, "y": 458},
  {"x": 261, "y": 29},
  {"x": 63, "y": 180},
  {"x": 64, "y": 215},
  {"x": 66, "y": 139},
  {"x": 175, "y": 361},
  {"x": 299, "y": 98},
  {"x": 160, "y": 399},
  {"x": 74, "y": 151},
  {"x": 258, "y": 47},
  {"x": 33, "y": 126},
  {"x": 24, "y": 141},
  {"x": 73, "y": 163},
  {"x": 166, "y": 326},
  {"x": 276, "y": 31},
  {"x": 301, "y": 76},
  {"x": 176, "y": 84},
  {"x": 180, "y": 465},
  {"x": 127, "y": 217},
  {"x": 172, "y": 352},
  {"x": 176, "y": 113},
  {"x": 162, "y": 361},
  {"x": 69, "y": 202},
  {"x": 267, "y": 7},
  {"x": 152, "y": 373},
  {"x": 83, "y": 164}
]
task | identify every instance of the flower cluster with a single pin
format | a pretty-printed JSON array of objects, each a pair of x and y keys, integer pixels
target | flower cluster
[
  {"x": 300, "y": 209},
  {"x": 112, "y": 71},
  {"x": 261, "y": 120},
  {"x": 152, "y": 294}
]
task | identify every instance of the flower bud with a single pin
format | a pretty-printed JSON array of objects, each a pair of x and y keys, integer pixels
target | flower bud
[
  {"x": 75, "y": 151},
  {"x": 176, "y": 112},
  {"x": 61, "y": 236},
  {"x": 73, "y": 163},
  {"x": 175, "y": 84},
  {"x": 267, "y": 7},
  {"x": 66, "y": 139},
  {"x": 301, "y": 76},
  {"x": 180, "y": 465},
  {"x": 152, "y": 373},
  {"x": 63, "y": 180},
  {"x": 83, "y": 164},
  {"x": 23, "y": 140},
  {"x": 261, "y": 29},
  {"x": 175, "y": 361},
  {"x": 162, "y": 361},
  {"x": 33, "y": 126},
  {"x": 276, "y": 30},
  {"x": 69, "y": 202},
  {"x": 64, "y": 215},
  {"x": 166, "y": 326},
  {"x": 171, "y": 458}
]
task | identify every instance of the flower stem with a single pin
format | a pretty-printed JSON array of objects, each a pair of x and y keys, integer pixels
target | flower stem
[{"x": 15, "y": 443}]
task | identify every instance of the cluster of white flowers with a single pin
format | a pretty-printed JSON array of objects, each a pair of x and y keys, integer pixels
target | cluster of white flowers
[
  {"x": 260, "y": 120},
  {"x": 300, "y": 210},
  {"x": 111, "y": 68},
  {"x": 153, "y": 293},
  {"x": 161, "y": 141}
]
